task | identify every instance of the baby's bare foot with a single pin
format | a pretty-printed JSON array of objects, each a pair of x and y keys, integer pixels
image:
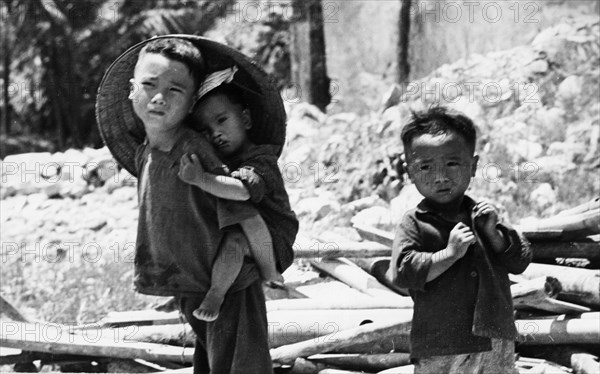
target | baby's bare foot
[
  {"x": 275, "y": 282},
  {"x": 208, "y": 311}
]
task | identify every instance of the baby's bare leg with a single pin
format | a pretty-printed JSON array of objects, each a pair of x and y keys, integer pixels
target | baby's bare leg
[
  {"x": 225, "y": 270},
  {"x": 261, "y": 247}
]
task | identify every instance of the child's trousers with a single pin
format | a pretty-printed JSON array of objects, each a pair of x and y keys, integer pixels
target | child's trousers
[
  {"x": 500, "y": 360},
  {"x": 237, "y": 342}
]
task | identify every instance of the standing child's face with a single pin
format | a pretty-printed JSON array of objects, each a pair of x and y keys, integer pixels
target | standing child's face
[
  {"x": 441, "y": 166},
  {"x": 226, "y": 123},
  {"x": 161, "y": 91}
]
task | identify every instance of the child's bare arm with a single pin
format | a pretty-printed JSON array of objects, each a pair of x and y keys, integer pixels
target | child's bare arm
[
  {"x": 225, "y": 187},
  {"x": 461, "y": 237}
]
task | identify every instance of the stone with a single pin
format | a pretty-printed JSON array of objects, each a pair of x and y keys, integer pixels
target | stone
[
  {"x": 570, "y": 88},
  {"x": 391, "y": 97},
  {"x": 407, "y": 199},
  {"x": 543, "y": 196},
  {"x": 377, "y": 216},
  {"x": 316, "y": 207},
  {"x": 537, "y": 66},
  {"x": 366, "y": 202}
]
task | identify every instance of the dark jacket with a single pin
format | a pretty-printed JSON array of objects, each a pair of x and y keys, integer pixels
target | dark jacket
[{"x": 459, "y": 311}]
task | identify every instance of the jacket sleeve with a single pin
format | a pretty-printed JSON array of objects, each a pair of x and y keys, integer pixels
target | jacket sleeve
[
  {"x": 409, "y": 265},
  {"x": 518, "y": 255}
]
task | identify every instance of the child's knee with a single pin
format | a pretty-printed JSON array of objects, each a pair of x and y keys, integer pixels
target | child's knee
[{"x": 235, "y": 243}]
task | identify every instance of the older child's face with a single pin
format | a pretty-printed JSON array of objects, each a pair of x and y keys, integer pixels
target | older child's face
[
  {"x": 441, "y": 166},
  {"x": 226, "y": 123},
  {"x": 161, "y": 91}
]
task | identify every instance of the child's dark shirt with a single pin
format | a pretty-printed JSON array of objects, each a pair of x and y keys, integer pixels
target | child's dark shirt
[
  {"x": 258, "y": 170},
  {"x": 459, "y": 311},
  {"x": 180, "y": 226}
]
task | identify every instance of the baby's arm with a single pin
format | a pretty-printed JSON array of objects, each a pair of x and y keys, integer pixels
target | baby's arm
[{"x": 225, "y": 187}]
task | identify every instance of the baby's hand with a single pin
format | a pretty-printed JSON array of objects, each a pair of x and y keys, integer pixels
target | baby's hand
[
  {"x": 461, "y": 237},
  {"x": 190, "y": 169},
  {"x": 486, "y": 217}
]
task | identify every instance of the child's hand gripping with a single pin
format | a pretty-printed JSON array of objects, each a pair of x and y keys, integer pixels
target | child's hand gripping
[
  {"x": 461, "y": 237},
  {"x": 486, "y": 218},
  {"x": 190, "y": 169}
]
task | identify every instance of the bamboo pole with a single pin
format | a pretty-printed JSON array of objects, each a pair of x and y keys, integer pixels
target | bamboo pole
[
  {"x": 587, "y": 222},
  {"x": 346, "y": 249},
  {"x": 593, "y": 204},
  {"x": 53, "y": 338},
  {"x": 367, "y": 334},
  {"x": 339, "y": 304},
  {"x": 554, "y": 249},
  {"x": 363, "y": 362},
  {"x": 551, "y": 331},
  {"x": 378, "y": 268},
  {"x": 350, "y": 274}
]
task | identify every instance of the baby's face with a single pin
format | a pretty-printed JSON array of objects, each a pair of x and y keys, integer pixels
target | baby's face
[
  {"x": 161, "y": 91},
  {"x": 441, "y": 166},
  {"x": 226, "y": 123}
]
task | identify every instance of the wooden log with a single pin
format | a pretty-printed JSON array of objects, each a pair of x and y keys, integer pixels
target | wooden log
[
  {"x": 527, "y": 365},
  {"x": 406, "y": 369},
  {"x": 593, "y": 204},
  {"x": 363, "y": 362},
  {"x": 553, "y": 249},
  {"x": 53, "y": 338},
  {"x": 579, "y": 286},
  {"x": 559, "y": 307},
  {"x": 367, "y": 334},
  {"x": 586, "y": 223},
  {"x": 285, "y": 326},
  {"x": 139, "y": 317},
  {"x": 292, "y": 326},
  {"x": 585, "y": 363},
  {"x": 346, "y": 249},
  {"x": 576, "y": 357},
  {"x": 10, "y": 311},
  {"x": 350, "y": 274},
  {"x": 534, "y": 290},
  {"x": 551, "y": 331},
  {"x": 339, "y": 304},
  {"x": 376, "y": 235},
  {"x": 539, "y": 294}
]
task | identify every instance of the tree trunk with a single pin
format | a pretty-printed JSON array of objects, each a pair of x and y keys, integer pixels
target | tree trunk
[
  {"x": 6, "y": 52},
  {"x": 403, "y": 41},
  {"x": 308, "y": 40}
]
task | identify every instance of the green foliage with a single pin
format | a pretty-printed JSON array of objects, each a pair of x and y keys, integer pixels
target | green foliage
[{"x": 60, "y": 50}]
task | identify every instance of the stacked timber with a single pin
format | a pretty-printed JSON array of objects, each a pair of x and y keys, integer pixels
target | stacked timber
[{"x": 362, "y": 328}]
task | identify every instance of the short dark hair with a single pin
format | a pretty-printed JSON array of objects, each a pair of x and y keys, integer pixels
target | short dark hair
[
  {"x": 181, "y": 50},
  {"x": 437, "y": 121}
]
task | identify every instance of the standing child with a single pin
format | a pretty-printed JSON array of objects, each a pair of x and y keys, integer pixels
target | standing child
[
  {"x": 181, "y": 228},
  {"x": 222, "y": 113},
  {"x": 454, "y": 255}
]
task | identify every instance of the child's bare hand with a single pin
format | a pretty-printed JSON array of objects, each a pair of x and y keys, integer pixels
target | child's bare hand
[
  {"x": 190, "y": 169},
  {"x": 461, "y": 237},
  {"x": 486, "y": 217}
]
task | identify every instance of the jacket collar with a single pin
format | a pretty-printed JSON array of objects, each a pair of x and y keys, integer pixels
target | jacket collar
[{"x": 425, "y": 207}]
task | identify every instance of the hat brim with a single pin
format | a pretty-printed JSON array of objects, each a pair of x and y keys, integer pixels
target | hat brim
[{"x": 123, "y": 132}]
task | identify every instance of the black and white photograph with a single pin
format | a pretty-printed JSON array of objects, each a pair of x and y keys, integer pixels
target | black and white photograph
[{"x": 300, "y": 186}]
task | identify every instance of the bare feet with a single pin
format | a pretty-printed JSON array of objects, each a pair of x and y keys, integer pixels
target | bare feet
[
  {"x": 276, "y": 282},
  {"x": 208, "y": 311}
]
